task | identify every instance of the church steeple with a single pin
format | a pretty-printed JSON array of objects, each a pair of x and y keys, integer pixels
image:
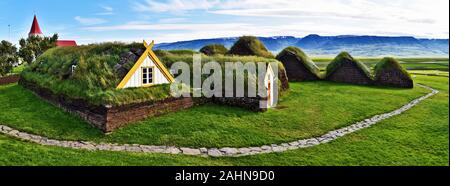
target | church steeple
[{"x": 35, "y": 29}]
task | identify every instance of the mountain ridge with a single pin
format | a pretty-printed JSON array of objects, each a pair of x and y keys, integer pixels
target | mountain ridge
[{"x": 316, "y": 45}]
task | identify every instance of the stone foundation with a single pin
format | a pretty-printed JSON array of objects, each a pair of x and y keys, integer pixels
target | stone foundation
[
  {"x": 108, "y": 118},
  {"x": 9, "y": 79}
]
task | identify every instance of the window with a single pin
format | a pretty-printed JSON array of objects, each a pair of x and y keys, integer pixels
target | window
[
  {"x": 74, "y": 67},
  {"x": 147, "y": 75}
]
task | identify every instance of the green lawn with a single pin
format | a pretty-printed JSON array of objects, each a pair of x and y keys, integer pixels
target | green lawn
[
  {"x": 429, "y": 72},
  {"x": 19, "y": 69},
  {"x": 408, "y": 63},
  {"x": 309, "y": 109},
  {"x": 417, "y": 137}
]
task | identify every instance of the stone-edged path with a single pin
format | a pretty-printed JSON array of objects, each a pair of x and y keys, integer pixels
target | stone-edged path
[{"x": 217, "y": 152}]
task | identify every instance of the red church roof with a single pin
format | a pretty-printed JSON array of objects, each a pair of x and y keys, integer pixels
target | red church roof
[
  {"x": 62, "y": 43},
  {"x": 35, "y": 29}
]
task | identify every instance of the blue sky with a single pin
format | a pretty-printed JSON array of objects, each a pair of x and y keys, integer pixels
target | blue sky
[{"x": 89, "y": 21}]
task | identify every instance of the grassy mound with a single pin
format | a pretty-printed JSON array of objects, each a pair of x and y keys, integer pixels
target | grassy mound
[
  {"x": 301, "y": 58},
  {"x": 342, "y": 58},
  {"x": 249, "y": 46},
  {"x": 214, "y": 49},
  {"x": 387, "y": 64}
]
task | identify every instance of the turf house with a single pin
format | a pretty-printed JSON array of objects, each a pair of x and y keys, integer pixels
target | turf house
[
  {"x": 299, "y": 67},
  {"x": 345, "y": 69},
  {"x": 389, "y": 72},
  {"x": 214, "y": 49},
  {"x": 252, "y": 46},
  {"x": 110, "y": 85},
  {"x": 249, "y": 45}
]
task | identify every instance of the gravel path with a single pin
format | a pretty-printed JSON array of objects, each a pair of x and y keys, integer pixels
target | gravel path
[{"x": 217, "y": 152}]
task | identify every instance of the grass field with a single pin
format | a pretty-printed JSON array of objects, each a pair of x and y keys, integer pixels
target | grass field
[
  {"x": 409, "y": 63},
  {"x": 309, "y": 109},
  {"x": 429, "y": 72},
  {"x": 417, "y": 137}
]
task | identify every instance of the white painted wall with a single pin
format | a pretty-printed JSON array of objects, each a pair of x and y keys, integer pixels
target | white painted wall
[{"x": 136, "y": 79}]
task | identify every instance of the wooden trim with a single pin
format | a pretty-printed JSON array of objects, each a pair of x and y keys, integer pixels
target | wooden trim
[
  {"x": 161, "y": 67},
  {"x": 132, "y": 71}
]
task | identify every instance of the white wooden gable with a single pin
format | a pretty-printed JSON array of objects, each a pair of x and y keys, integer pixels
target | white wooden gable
[
  {"x": 136, "y": 78},
  {"x": 148, "y": 60}
]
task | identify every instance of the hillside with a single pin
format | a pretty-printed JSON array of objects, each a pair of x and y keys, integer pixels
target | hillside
[{"x": 369, "y": 46}]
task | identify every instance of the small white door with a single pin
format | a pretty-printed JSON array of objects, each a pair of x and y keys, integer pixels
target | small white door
[{"x": 270, "y": 91}]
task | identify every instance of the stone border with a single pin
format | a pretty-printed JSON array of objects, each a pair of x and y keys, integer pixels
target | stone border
[{"x": 216, "y": 152}]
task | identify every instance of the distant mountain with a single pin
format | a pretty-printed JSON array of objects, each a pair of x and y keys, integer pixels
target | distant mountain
[
  {"x": 332, "y": 45},
  {"x": 196, "y": 44}
]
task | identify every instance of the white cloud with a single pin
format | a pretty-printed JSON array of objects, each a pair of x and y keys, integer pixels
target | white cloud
[
  {"x": 175, "y": 27},
  {"x": 180, "y": 32},
  {"x": 175, "y": 6},
  {"x": 89, "y": 21},
  {"x": 173, "y": 20},
  {"x": 107, "y": 10},
  {"x": 413, "y": 17},
  {"x": 401, "y": 10}
]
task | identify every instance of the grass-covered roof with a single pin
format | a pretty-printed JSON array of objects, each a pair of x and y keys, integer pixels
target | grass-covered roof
[
  {"x": 169, "y": 58},
  {"x": 94, "y": 63},
  {"x": 301, "y": 58},
  {"x": 249, "y": 46},
  {"x": 214, "y": 49},
  {"x": 342, "y": 58},
  {"x": 96, "y": 74},
  {"x": 389, "y": 63},
  {"x": 101, "y": 67}
]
